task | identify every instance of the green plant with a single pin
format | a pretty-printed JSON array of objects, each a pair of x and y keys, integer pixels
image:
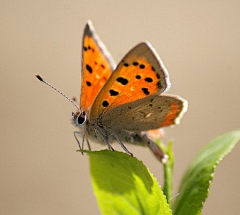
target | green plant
[{"x": 123, "y": 185}]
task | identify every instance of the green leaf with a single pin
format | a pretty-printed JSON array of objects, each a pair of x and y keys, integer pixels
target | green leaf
[
  {"x": 195, "y": 184},
  {"x": 123, "y": 185}
]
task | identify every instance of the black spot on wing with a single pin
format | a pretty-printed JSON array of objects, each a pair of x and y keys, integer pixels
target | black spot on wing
[
  {"x": 145, "y": 91},
  {"x": 159, "y": 85},
  {"x": 89, "y": 83},
  {"x": 122, "y": 80},
  {"x": 138, "y": 77},
  {"x": 105, "y": 103},
  {"x": 149, "y": 80},
  {"x": 141, "y": 66},
  {"x": 113, "y": 92},
  {"x": 89, "y": 68}
]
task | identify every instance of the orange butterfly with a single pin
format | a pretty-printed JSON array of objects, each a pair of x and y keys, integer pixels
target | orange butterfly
[{"x": 122, "y": 104}]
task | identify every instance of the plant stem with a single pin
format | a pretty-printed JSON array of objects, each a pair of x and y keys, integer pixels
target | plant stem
[{"x": 168, "y": 173}]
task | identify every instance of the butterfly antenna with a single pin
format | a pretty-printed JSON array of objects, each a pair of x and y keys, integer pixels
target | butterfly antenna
[{"x": 41, "y": 79}]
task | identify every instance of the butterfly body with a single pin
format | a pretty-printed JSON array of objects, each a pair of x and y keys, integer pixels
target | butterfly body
[
  {"x": 101, "y": 134},
  {"x": 123, "y": 103},
  {"x": 98, "y": 133}
]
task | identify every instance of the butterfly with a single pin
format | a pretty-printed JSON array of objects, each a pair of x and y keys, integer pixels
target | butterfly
[{"x": 124, "y": 103}]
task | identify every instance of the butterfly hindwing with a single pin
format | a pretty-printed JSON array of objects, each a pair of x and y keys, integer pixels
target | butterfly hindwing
[
  {"x": 152, "y": 112},
  {"x": 97, "y": 66},
  {"x": 140, "y": 74}
]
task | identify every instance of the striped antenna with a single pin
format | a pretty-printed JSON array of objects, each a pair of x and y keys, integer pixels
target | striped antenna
[{"x": 41, "y": 79}]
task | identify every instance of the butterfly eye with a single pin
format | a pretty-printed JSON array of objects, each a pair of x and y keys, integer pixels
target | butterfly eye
[{"x": 81, "y": 118}]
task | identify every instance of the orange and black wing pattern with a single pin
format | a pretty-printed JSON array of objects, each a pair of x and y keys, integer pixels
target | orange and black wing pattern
[
  {"x": 140, "y": 74},
  {"x": 97, "y": 66}
]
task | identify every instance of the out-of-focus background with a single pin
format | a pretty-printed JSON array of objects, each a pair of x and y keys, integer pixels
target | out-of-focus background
[{"x": 199, "y": 43}]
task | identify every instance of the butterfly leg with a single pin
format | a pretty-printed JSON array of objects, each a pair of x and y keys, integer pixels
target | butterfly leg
[
  {"x": 83, "y": 138},
  {"x": 75, "y": 135},
  {"x": 155, "y": 149},
  {"x": 122, "y": 145},
  {"x": 100, "y": 132},
  {"x": 89, "y": 147}
]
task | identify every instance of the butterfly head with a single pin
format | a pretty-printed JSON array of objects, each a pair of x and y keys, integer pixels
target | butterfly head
[{"x": 79, "y": 118}]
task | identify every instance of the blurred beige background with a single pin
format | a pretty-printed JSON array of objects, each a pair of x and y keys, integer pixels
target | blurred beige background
[{"x": 199, "y": 43}]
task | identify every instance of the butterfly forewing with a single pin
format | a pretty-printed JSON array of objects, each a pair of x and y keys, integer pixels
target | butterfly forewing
[
  {"x": 149, "y": 113},
  {"x": 140, "y": 74},
  {"x": 97, "y": 66}
]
